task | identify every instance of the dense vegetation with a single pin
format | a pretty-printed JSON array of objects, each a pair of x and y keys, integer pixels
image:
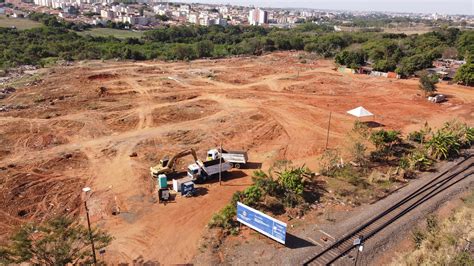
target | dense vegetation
[
  {"x": 387, "y": 52},
  {"x": 59, "y": 241}
]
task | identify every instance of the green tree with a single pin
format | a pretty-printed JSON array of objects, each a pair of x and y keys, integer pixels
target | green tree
[
  {"x": 204, "y": 48},
  {"x": 352, "y": 59},
  {"x": 465, "y": 44},
  {"x": 59, "y": 241},
  {"x": 184, "y": 52},
  {"x": 409, "y": 65},
  {"x": 385, "y": 65},
  {"x": 297, "y": 43},
  {"x": 428, "y": 83},
  {"x": 465, "y": 74}
]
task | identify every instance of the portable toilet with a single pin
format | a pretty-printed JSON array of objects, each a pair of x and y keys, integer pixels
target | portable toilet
[{"x": 162, "y": 181}]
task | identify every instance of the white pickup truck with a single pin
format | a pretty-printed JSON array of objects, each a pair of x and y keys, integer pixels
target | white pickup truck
[
  {"x": 235, "y": 158},
  {"x": 201, "y": 171},
  {"x": 437, "y": 98}
]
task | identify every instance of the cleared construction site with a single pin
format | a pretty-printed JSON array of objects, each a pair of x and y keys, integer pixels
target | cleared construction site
[{"x": 164, "y": 145}]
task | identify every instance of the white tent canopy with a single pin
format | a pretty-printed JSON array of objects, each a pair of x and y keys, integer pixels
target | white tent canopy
[{"x": 360, "y": 112}]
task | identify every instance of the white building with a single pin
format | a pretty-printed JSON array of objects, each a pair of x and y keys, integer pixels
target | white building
[
  {"x": 107, "y": 14},
  {"x": 43, "y": 2},
  {"x": 258, "y": 17},
  {"x": 193, "y": 18}
]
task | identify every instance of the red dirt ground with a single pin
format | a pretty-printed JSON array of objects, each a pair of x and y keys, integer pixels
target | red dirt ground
[{"x": 68, "y": 135}]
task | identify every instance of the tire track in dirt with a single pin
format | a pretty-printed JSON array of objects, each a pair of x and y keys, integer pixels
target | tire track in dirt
[{"x": 260, "y": 104}]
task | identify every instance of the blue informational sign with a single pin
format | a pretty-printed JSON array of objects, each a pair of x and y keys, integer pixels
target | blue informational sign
[{"x": 261, "y": 222}]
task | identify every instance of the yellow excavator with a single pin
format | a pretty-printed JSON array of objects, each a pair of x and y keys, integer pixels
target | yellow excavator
[{"x": 167, "y": 165}]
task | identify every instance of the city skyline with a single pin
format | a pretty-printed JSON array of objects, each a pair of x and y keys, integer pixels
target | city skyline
[{"x": 464, "y": 7}]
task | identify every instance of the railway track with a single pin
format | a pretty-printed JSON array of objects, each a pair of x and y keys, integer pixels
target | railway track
[{"x": 444, "y": 180}]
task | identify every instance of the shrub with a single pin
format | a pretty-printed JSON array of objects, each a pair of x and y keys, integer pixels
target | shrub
[
  {"x": 443, "y": 145},
  {"x": 382, "y": 138},
  {"x": 224, "y": 218},
  {"x": 462, "y": 132},
  {"x": 266, "y": 183},
  {"x": 361, "y": 128},
  {"x": 358, "y": 150},
  {"x": 463, "y": 258},
  {"x": 432, "y": 224},
  {"x": 329, "y": 162},
  {"x": 416, "y": 160},
  {"x": 292, "y": 180},
  {"x": 352, "y": 176},
  {"x": 287, "y": 187},
  {"x": 418, "y": 236},
  {"x": 416, "y": 136},
  {"x": 252, "y": 196}
]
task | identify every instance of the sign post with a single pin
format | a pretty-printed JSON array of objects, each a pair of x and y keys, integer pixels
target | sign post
[
  {"x": 358, "y": 242},
  {"x": 261, "y": 222}
]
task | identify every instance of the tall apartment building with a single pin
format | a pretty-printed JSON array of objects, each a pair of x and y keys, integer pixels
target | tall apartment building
[{"x": 258, "y": 17}]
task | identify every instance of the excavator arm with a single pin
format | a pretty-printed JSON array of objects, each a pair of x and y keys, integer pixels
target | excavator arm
[
  {"x": 182, "y": 154},
  {"x": 159, "y": 169}
]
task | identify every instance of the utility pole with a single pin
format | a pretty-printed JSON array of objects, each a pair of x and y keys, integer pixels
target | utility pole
[
  {"x": 220, "y": 166},
  {"x": 87, "y": 190},
  {"x": 329, "y": 125}
]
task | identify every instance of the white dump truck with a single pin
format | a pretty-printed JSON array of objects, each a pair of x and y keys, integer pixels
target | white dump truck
[
  {"x": 201, "y": 171},
  {"x": 236, "y": 159}
]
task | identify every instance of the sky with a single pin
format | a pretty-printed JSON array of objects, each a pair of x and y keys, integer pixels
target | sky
[{"x": 415, "y": 6}]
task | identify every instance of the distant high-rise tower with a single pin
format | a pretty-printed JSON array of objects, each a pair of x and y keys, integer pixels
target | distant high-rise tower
[{"x": 258, "y": 17}]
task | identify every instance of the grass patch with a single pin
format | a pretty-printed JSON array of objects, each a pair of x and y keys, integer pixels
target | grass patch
[
  {"x": 469, "y": 200},
  {"x": 19, "y": 23},
  {"x": 444, "y": 242},
  {"x": 105, "y": 32},
  {"x": 23, "y": 81}
]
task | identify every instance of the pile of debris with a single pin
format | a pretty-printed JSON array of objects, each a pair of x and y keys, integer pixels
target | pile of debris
[
  {"x": 6, "y": 108},
  {"x": 4, "y": 92},
  {"x": 15, "y": 73}
]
